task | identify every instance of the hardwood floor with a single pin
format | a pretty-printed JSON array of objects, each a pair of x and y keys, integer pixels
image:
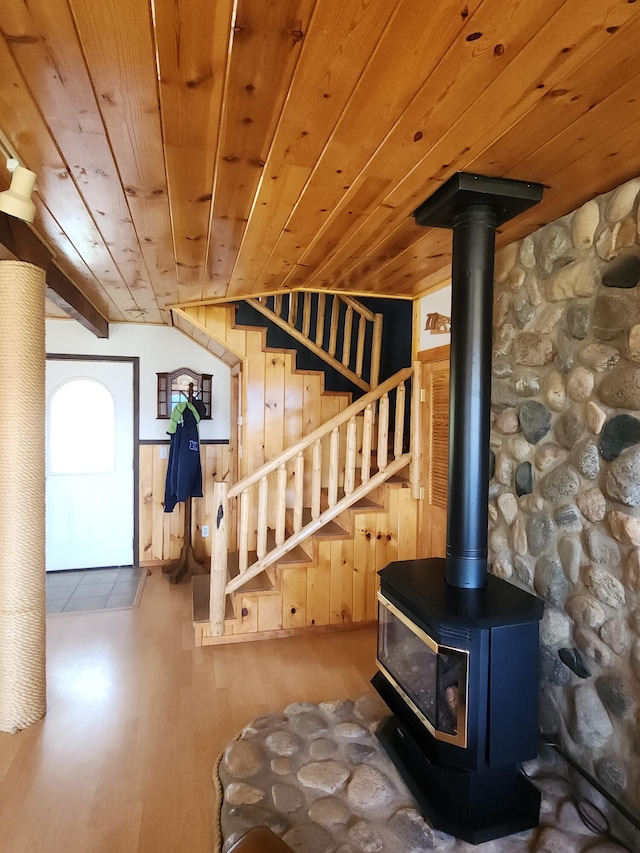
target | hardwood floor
[{"x": 136, "y": 718}]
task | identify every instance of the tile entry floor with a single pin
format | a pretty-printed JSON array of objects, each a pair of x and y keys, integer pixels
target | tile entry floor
[{"x": 94, "y": 589}]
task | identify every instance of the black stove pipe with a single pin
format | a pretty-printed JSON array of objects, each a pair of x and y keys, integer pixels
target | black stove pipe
[
  {"x": 470, "y": 395},
  {"x": 473, "y": 206}
]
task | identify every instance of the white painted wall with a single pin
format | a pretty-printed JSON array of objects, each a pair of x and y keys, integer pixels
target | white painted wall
[
  {"x": 440, "y": 303},
  {"x": 160, "y": 349}
]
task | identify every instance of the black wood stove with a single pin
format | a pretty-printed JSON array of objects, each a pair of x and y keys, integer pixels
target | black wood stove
[{"x": 458, "y": 647}]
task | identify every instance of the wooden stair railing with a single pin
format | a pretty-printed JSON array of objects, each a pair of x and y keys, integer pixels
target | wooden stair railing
[
  {"x": 319, "y": 473},
  {"x": 338, "y": 319}
]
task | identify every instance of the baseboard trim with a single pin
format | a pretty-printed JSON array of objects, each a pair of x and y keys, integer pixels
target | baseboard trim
[{"x": 202, "y": 639}]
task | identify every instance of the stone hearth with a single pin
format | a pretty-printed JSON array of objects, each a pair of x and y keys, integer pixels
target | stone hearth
[{"x": 316, "y": 775}]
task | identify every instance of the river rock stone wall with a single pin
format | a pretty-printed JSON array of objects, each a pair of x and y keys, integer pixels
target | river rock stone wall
[{"x": 565, "y": 462}]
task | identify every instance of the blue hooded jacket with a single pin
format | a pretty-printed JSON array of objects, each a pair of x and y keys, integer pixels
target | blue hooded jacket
[{"x": 184, "y": 471}]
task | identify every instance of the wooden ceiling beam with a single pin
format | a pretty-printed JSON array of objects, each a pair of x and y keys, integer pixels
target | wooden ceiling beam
[
  {"x": 63, "y": 292},
  {"x": 18, "y": 241}
]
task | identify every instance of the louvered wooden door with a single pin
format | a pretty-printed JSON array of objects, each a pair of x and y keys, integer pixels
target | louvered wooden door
[{"x": 435, "y": 427}]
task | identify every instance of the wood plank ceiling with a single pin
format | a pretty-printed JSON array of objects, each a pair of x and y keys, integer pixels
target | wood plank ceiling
[{"x": 195, "y": 149}]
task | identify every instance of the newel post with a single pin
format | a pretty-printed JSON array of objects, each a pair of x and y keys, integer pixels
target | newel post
[{"x": 218, "y": 581}]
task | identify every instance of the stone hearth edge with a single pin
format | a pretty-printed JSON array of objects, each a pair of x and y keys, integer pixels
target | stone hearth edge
[{"x": 317, "y": 776}]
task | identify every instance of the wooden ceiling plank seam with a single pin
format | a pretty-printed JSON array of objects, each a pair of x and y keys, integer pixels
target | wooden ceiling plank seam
[
  {"x": 226, "y": 301},
  {"x": 519, "y": 107},
  {"x": 279, "y": 194},
  {"x": 224, "y": 101},
  {"x": 531, "y": 165},
  {"x": 416, "y": 260},
  {"x": 404, "y": 134},
  {"x": 416, "y": 263},
  {"x": 47, "y": 24},
  {"x": 44, "y": 36},
  {"x": 608, "y": 68},
  {"x": 101, "y": 265},
  {"x": 73, "y": 266},
  {"x": 259, "y": 82},
  {"x": 391, "y": 57},
  {"x": 416, "y": 196},
  {"x": 584, "y": 164},
  {"x": 543, "y": 92},
  {"x": 541, "y": 159},
  {"x": 331, "y": 141},
  {"x": 586, "y": 171},
  {"x": 26, "y": 43},
  {"x": 385, "y": 275},
  {"x": 191, "y": 72},
  {"x": 115, "y": 224},
  {"x": 226, "y": 234},
  {"x": 241, "y": 228},
  {"x": 295, "y": 150},
  {"x": 387, "y": 208},
  {"x": 119, "y": 52}
]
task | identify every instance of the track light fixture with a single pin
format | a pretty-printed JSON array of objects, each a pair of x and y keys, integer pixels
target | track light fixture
[{"x": 16, "y": 201}]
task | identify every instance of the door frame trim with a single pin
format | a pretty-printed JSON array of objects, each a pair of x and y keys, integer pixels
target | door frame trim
[{"x": 134, "y": 361}]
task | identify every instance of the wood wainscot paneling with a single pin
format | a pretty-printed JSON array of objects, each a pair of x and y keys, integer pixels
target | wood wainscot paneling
[{"x": 161, "y": 534}]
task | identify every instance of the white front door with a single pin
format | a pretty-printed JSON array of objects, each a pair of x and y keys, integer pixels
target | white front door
[{"x": 89, "y": 491}]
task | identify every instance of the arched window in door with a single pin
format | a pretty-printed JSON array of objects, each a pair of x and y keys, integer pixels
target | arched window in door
[{"x": 82, "y": 429}]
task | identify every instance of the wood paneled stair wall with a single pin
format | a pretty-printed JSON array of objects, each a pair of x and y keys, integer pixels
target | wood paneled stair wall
[
  {"x": 313, "y": 524},
  {"x": 328, "y": 583}
]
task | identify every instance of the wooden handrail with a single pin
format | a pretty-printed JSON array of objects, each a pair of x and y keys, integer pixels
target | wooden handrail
[
  {"x": 358, "y": 307},
  {"x": 258, "y": 510},
  {"x": 337, "y": 331},
  {"x": 321, "y": 431},
  {"x": 331, "y": 512}
]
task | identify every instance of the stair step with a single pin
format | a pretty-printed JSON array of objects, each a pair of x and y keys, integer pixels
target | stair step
[
  {"x": 295, "y": 557},
  {"x": 260, "y": 583},
  {"x": 397, "y": 480},
  {"x": 200, "y": 600},
  {"x": 365, "y": 504},
  {"x": 329, "y": 530}
]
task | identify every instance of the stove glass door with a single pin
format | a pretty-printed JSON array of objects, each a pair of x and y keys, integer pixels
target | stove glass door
[{"x": 431, "y": 678}]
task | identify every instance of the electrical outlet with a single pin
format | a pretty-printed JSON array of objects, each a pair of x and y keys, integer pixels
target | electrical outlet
[
  {"x": 163, "y": 451},
  {"x": 205, "y": 530}
]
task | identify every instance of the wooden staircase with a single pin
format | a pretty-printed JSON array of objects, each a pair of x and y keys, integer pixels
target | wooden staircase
[
  {"x": 339, "y": 561},
  {"x": 299, "y": 540},
  {"x": 333, "y": 327}
]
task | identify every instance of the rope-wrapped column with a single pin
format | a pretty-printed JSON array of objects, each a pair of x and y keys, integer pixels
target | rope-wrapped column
[{"x": 22, "y": 497}]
